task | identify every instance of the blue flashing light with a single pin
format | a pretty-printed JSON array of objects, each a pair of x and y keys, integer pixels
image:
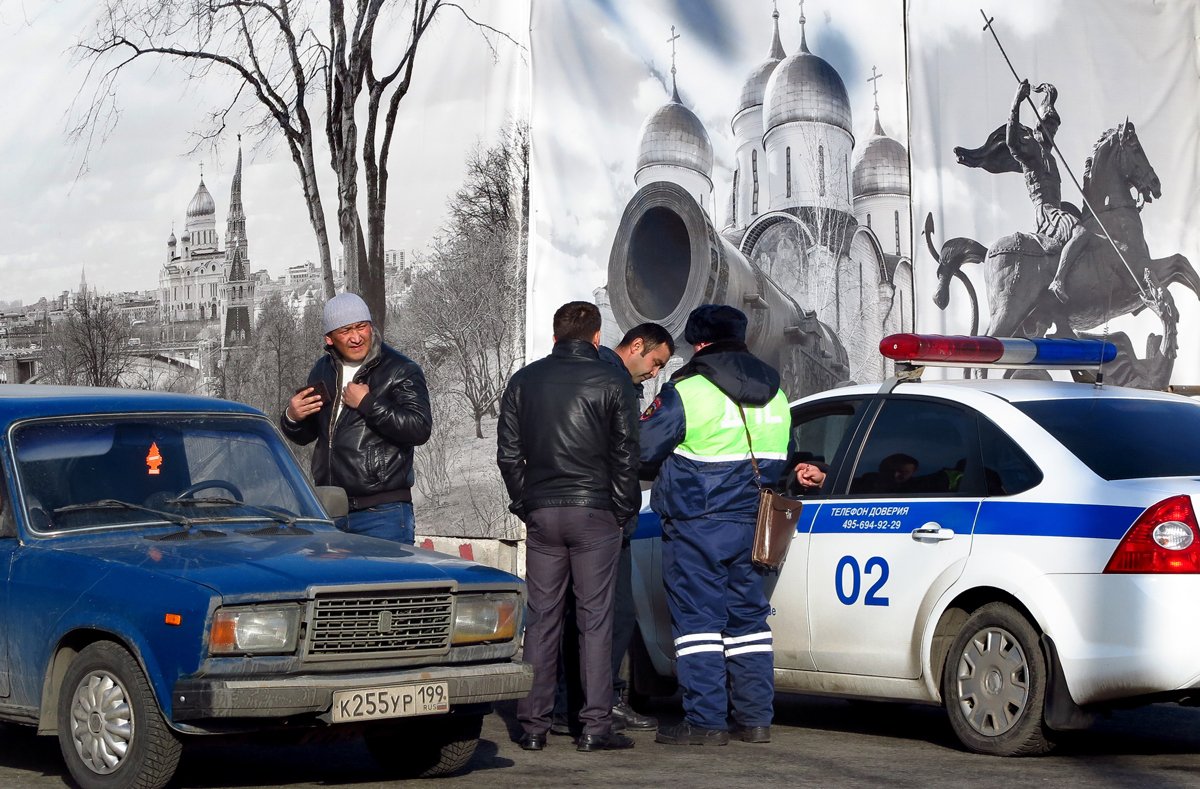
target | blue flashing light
[{"x": 1079, "y": 353}]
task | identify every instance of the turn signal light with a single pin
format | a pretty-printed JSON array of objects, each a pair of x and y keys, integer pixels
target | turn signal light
[{"x": 1162, "y": 540}]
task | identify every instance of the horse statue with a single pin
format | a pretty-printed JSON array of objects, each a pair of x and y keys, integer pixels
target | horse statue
[{"x": 1019, "y": 267}]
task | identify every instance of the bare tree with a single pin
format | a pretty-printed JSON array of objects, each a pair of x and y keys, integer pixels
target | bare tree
[
  {"x": 90, "y": 347},
  {"x": 276, "y": 55},
  {"x": 469, "y": 310}
]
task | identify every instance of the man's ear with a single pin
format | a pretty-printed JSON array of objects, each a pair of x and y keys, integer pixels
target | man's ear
[
  {"x": 638, "y": 347},
  {"x": 596, "y": 339},
  {"x": 328, "y": 341}
]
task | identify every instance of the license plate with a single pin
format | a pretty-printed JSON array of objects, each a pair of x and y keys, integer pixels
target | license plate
[{"x": 391, "y": 701}]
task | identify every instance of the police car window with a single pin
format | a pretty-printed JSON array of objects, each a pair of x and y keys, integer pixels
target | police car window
[
  {"x": 918, "y": 448},
  {"x": 1125, "y": 438},
  {"x": 1006, "y": 467},
  {"x": 819, "y": 433}
]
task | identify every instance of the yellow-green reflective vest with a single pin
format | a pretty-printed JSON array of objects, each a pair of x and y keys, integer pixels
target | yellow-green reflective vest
[{"x": 715, "y": 432}]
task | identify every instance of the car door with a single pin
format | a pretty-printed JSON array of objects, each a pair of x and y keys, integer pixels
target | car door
[
  {"x": 895, "y": 532},
  {"x": 820, "y": 434}
]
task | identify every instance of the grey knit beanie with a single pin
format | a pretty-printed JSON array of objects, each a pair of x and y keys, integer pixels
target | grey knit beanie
[{"x": 343, "y": 310}]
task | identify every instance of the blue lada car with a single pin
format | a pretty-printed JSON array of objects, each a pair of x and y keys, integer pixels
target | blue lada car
[{"x": 168, "y": 571}]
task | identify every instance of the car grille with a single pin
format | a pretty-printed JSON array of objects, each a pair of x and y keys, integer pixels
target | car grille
[{"x": 380, "y": 624}]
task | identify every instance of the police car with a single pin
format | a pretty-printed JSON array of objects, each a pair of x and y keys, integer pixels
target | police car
[{"x": 1023, "y": 552}]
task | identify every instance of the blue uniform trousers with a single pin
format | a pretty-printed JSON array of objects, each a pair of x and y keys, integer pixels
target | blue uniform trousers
[{"x": 719, "y": 623}]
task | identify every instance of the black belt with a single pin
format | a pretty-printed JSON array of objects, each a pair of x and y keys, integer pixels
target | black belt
[{"x": 375, "y": 499}]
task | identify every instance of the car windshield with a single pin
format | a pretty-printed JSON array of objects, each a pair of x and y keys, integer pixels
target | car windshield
[
  {"x": 91, "y": 472},
  {"x": 1125, "y": 438}
]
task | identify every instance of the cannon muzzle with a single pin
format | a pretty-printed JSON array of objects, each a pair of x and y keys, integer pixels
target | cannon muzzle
[{"x": 667, "y": 259}]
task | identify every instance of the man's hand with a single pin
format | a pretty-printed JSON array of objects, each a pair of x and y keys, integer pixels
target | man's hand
[
  {"x": 809, "y": 476},
  {"x": 354, "y": 393},
  {"x": 303, "y": 404},
  {"x": 1023, "y": 91}
]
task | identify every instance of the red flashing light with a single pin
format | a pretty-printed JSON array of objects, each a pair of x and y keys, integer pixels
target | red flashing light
[
  {"x": 964, "y": 350},
  {"x": 1139, "y": 553}
]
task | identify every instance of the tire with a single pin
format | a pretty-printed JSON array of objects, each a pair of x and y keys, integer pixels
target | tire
[
  {"x": 425, "y": 747},
  {"x": 645, "y": 682},
  {"x": 994, "y": 684},
  {"x": 110, "y": 729}
]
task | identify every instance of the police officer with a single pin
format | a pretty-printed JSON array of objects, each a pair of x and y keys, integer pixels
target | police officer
[{"x": 698, "y": 434}]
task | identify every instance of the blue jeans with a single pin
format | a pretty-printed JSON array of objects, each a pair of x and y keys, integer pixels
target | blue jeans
[{"x": 393, "y": 521}]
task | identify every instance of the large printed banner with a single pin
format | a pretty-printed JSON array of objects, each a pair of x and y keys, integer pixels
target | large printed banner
[
  {"x": 713, "y": 151},
  {"x": 717, "y": 151},
  {"x": 1117, "y": 82}
]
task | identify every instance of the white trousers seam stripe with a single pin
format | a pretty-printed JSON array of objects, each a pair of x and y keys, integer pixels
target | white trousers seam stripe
[
  {"x": 743, "y": 639},
  {"x": 751, "y": 648},
  {"x": 697, "y": 637}
]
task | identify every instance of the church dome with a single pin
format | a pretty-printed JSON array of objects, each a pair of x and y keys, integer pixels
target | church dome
[
  {"x": 804, "y": 87},
  {"x": 171, "y": 240},
  {"x": 881, "y": 166},
  {"x": 202, "y": 203},
  {"x": 674, "y": 135},
  {"x": 755, "y": 86}
]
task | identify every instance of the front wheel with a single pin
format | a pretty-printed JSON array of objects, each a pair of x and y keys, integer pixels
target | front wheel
[
  {"x": 110, "y": 729},
  {"x": 425, "y": 747},
  {"x": 994, "y": 684}
]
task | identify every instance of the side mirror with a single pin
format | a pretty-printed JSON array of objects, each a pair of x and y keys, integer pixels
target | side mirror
[{"x": 333, "y": 500}]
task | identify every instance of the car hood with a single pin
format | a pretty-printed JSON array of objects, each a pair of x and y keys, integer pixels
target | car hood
[{"x": 242, "y": 564}]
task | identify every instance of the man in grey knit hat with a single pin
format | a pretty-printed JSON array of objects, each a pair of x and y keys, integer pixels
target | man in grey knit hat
[{"x": 369, "y": 406}]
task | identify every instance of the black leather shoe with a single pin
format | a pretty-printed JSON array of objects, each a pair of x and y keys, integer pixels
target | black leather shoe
[
  {"x": 626, "y": 717},
  {"x": 533, "y": 742},
  {"x": 753, "y": 733},
  {"x": 603, "y": 742},
  {"x": 687, "y": 734}
]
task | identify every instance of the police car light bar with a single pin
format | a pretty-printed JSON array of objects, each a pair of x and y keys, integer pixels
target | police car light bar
[{"x": 935, "y": 350}]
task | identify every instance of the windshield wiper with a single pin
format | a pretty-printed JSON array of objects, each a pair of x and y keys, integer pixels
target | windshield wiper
[
  {"x": 276, "y": 514},
  {"x": 117, "y": 504}
]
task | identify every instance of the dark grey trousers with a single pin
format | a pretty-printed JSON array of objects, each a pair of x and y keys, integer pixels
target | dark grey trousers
[{"x": 580, "y": 546}]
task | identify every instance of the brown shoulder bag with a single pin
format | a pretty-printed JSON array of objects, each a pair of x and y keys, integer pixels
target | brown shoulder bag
[{"x": 778, "y": 517}]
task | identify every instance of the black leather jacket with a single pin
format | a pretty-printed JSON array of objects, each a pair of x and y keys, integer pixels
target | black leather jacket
[
  {"x": 369, "y": 452},
  {"x": 568, "y": 434}
]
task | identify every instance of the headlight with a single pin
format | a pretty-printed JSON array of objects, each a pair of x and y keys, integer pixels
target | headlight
[
  {"x": 485, "y": 617},
  {"x": 254, "y": 630}
]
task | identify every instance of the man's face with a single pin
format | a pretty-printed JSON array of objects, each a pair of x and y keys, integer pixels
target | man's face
[
  {"x": 642, "y": 364},
  {"x": 351, "y": 342}
]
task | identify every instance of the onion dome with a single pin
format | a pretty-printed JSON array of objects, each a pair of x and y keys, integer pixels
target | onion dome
[
  {"x": 755, "y": 86},
  {"x": 202, "y": 203},
  {"x": 171, "y": 240},
  {"x": 881, "y": 166},
  {"x": 804, "y": 87},
  {"x": 186, "y": 237},
  {"x": 674, "y": 135}
]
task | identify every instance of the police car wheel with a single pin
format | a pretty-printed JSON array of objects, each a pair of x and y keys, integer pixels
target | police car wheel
[{"x": 994, "y": 684}]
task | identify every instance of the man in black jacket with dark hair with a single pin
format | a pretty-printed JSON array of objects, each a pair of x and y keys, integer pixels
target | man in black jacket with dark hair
[{"x": 567, "y": 447}]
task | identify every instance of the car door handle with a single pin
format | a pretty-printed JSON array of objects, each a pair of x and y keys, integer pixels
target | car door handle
[{"x": 932, "y": 532}]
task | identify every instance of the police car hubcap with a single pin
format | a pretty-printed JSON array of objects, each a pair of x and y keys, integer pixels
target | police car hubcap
[{"x": 993, "y": 682}]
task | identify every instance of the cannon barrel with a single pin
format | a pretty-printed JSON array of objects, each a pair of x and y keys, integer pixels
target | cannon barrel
[{"x": 667, "y": 259}]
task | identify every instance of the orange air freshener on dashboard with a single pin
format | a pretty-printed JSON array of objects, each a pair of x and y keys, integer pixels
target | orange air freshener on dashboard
[{"x": 153, "y": 459}]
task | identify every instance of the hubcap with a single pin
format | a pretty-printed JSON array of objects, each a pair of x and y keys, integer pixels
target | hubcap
[
  {"x": 993, "y": 682},
  {"x": 102, "y": 725}
]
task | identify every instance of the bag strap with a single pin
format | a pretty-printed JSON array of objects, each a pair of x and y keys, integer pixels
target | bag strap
[{"x": 750, "y": 446}]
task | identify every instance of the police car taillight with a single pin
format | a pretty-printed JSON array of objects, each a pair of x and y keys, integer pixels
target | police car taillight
[
  {"x": 956, "y": 351},
  {"x": 1164, "y": 539}
]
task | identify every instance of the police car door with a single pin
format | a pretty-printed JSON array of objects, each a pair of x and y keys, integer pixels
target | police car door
[
  {"x": 821, "y": 433},
  {"x": 894, "y": 538}
]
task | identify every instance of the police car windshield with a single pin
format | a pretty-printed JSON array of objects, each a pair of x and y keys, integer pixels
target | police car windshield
[{"x": 1125, "y": 438}]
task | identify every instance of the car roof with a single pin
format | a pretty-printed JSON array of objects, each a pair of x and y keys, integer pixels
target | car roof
[
  {"x": 25, "y": 401},
  {"x": 1010, "y": 390}
]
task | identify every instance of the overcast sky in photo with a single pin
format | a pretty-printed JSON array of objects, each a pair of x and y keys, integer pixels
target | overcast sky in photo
[
  {"x": 113, "y": 220},
  {"x": 1109, "y": 59},
  {"x": 602, "y": 66}
]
